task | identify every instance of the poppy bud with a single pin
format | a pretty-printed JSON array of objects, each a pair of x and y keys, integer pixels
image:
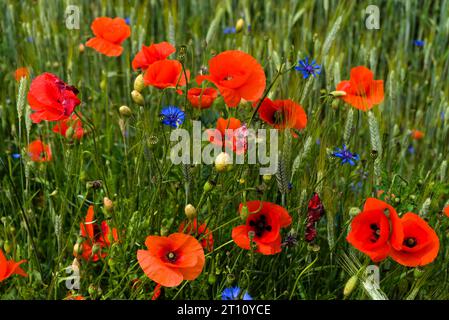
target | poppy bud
[
  {"x": 223, "y": 162},
  {"x": 354, "y": 211},
  {"x": 54, "y": 193},
  {"x": 137, "y": 97},
  {"x": 12, "y": 229},
  {"x": 239, "y": 25},
  {"x": 81, "y": 48},
  {"x": 350, "y": 285},
  {"x": 242, "y": 181},
  {"x": 108, "y": 204},
  {"x": 103, "y": 84},
  {"x": 230, "y": 278},
  {"x": 190, "y": 212},
  {"x": 125, "y": 111},
  {"x": 77, "y": 249},
  {"x": 97, "y": 184},
  {"x": 266, "y": 178},
  {"x": 139, "y": 84},
  {"x": 94, "y": 291},
  {"x": 75, "y": 264},
  {"x": 96, "y": 249},
  {"x": 338, "y": 93},
  {"x": 244, "y": 213},
  {"x": 69, "y": 133},
  {"x": 418, "y": 272},
  {"x": 208, "y": 186},
  {"x": 7, "y": 246}
]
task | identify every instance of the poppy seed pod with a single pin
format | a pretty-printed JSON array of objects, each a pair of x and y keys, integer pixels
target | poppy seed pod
[
  {"x": 208, "y": 186},
  {"x": 266, "y": 178},
  {"x": 69, "y": 133},
  {"x": 350, "y": 285},
  {"x": 223, "y": 162},
  {"x": 125, "y": 111},
  {"x": 139, "y": 84},
  {"x": 239, "y": 25},
  {"x": 137, "y": 97},
  {"x": 190, "y": 212},
  {"x": 96, "y": 249}
]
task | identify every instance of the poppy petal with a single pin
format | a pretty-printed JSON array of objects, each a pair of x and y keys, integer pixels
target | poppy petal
[{"x": 157, "y": 271}]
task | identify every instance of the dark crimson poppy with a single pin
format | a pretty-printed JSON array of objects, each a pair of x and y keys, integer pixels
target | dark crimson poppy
[
  {"x": 362, "y": 91},
  {"x": 39, "y": 151},
  {"x": 74, "y": 123},
  {"x": 109, "y": 35},
  {"x": 420, "y": 243},
  {"x": 237, "y": 75},
  {"x": 148, "y": 55},
  {"x": 265, "y": 220},
  {"x": 21, "y": 73},
  {"x": 170, "y": 260},
  {"x": 202, "y": 98},
  {"x": 283, "y": 114},
  {"x": 230, "y": 134},
  {"x": 372, "y": 233},
  {"x": 166, "y": 74},
  {"x": 201, "y": 231},
  {"x": 10, "y": 267},
  {"x": 98, "y": 235},
  {"x": 51, "y": 98}
]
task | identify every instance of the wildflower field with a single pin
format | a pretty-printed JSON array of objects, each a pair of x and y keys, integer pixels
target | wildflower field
[{"x": 224, "y": 150}]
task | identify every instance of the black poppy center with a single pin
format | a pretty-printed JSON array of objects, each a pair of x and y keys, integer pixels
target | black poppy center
[
  {"x": 97, "y": 232},
  {"x": 375, "y": 235},
  {"x": 260, "y": 225},
  {"x": 171, "y": 256},
  {"x": 410, "y": 242},
  {"x": 278, "y": 117}
]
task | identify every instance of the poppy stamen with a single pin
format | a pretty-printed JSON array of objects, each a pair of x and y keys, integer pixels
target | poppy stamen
[
  {"x": 260, "y": 225},
  {"x": 410, "y": 242},
  {"x": 171, "y": 256},
  {"x": 376, "y": 232}
]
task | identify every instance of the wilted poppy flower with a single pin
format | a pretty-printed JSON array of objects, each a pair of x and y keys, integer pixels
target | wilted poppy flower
[
  {"x": 51, "y": 98},
  {"x": 362, "y": 91},
  {"x": 148, "y": 55},
  {"x": 201, "y": 231},
  {"x": 109, "y": 35},
  {"x": 74, "y": 123},
  {"x": 170, "y": 260},
  {"x": 21, "y": 73},
  {"x": 237, "y": 75},
  {"x": 371, "y": 231},
  {"x": 98, "y": 237},
  {"x": 417, "y": 134},
  {"x": 230, "y": 134},
  {"x": 265, "y": 221},
  {"x": 10, "y": 267},
  {"x": 420, "y": 243},
  {"x": 166, "y": 74},
  {"x": 283, "y": 114},
  {"x": 202, "y": 98},
  {"x": 39, "y": 151}
]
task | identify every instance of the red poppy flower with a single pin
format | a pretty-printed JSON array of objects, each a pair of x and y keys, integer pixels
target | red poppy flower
[
  {"x": 21, "y": 73},
  {"x": 417, "y": 134},
  {"x": 74, "y": 123},
  {"x": 362, "y": 91},
  {"x": 420, "y": 242},
  {"x": 446, "y": 211},
  {"x": 265, "y": 220},
  {"x": 96, "y": 235},
  {"x": 166, "y": 74},
  {"x": 202, "y": 98},
  {"x": 229, "y": 133},
  {"x": 170, "y": 260},
  {"x": 10, "y": 267},
  {"x": 237, "y": 75},
  {"x": 51, "y": 98},
  {"x": 109, "y": 35},
  {"x": 74, "y": 297},
  {"x": 148, "y": 55},
  {"x": 39, "y": 151},
  {"x": 283, "y": 114},
  {"x": 192, "y": 228},
  {"x": 371, "y": 232}
]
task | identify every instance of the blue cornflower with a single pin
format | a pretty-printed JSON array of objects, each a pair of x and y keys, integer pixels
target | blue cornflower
[
  {"x": 233, "y": 293},
  {"x": 442, "y": 115},
  {"x": 229, "y": 30},
  {"x": 346, "y": 156},
  {"x": 307, "y": 69},
  {"x": 418, "y": 43},
  {"x": 127, "y": 20},
  {"x": 172, "y": 116},
  {"x": 411, "y": 149},
  {"x": 15, "y": 155}
]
